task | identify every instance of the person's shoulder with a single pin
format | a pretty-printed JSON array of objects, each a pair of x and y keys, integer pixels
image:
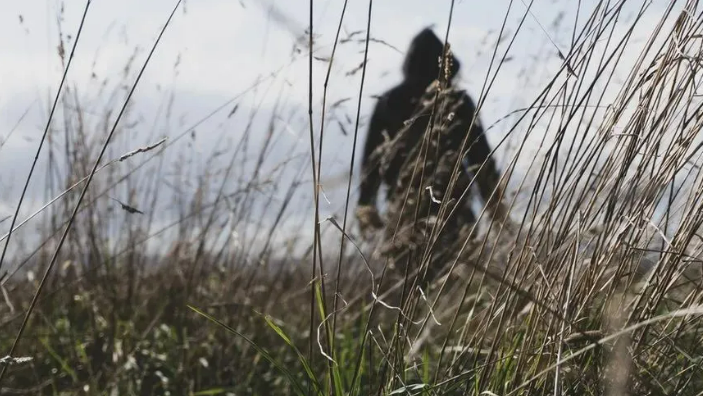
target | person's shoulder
[
  {"x": 456, "y": 92},
  {"x": 399, "y": 91},
  {"x": 460, "y": 96},
  {"x": 388, "y": 95}
]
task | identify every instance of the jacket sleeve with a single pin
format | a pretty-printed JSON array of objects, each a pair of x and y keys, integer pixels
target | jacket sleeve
[
  {"x": 370, "y": 171},
  {"x": 481, "y": 163}
]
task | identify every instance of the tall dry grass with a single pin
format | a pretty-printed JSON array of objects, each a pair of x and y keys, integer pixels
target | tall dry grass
[{"x": 591, "y": 286}]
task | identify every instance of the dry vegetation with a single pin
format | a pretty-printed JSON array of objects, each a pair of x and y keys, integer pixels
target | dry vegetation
[{"x": 593, "y": 286}]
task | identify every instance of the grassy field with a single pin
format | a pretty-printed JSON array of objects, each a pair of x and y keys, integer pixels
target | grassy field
[{"x": 592, "y": 286}]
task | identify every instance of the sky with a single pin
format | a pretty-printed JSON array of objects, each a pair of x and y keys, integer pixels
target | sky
[{"x": 247, "y": 53}]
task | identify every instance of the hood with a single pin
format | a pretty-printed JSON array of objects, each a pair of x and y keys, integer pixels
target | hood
[{"x": 422, "y": 60}]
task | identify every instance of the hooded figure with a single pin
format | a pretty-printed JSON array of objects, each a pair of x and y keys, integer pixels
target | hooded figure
[
  {"x": 397, "y": 106},
  {"x": 417, "y": 145}
]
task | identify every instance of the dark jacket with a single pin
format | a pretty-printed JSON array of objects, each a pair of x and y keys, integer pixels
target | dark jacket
[{"x": 403, "y": 114}]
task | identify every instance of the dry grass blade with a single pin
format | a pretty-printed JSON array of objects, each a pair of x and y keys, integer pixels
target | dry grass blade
[
  {"x": 581, "y": 275},
  {"x": 52, "y": 262}
]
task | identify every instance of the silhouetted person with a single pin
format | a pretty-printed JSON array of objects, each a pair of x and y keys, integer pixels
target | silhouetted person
[{"x": 413, "y": 145}]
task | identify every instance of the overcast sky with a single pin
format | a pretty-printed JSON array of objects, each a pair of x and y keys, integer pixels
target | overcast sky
[{"x": 216, "y": 50}]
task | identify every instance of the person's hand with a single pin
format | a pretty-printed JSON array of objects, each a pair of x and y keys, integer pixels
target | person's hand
[{"x": 369, "y": 220}]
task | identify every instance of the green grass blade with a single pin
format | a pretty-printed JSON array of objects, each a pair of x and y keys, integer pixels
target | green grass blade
[
  {"x": 210, "y": 392},
  {"x": 296, "y": 385},
  {"x": 65, "y": 365},
  {"x": 301, "y": 357},
  {"x": 335, "y": 373}
]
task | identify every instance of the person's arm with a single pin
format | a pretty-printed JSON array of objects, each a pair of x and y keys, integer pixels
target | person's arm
[
  {"x": 482, "y": 164},
  {"x": 370, "y": 170}
]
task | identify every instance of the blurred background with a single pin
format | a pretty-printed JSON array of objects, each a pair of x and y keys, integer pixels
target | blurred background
[
  {"x": 232, "y": 76},
  {"x": 190, "y": 267}
]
